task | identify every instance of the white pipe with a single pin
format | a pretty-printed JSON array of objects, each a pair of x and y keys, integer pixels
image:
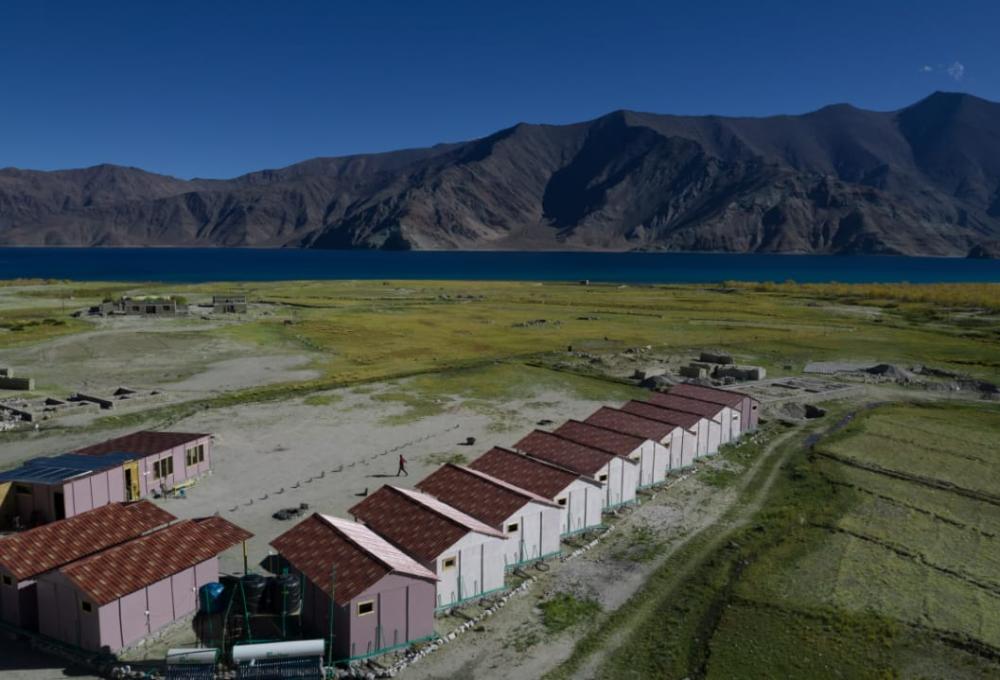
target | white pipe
[
  {"x": 192, "y": 655},
  {"x": 278, "y": 650}
]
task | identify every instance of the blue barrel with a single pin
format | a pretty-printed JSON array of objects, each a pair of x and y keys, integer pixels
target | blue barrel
[{"x": 210, "y": 597}]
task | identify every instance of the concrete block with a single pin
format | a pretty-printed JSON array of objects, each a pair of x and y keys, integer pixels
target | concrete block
[{"x": 717, "y": 358}]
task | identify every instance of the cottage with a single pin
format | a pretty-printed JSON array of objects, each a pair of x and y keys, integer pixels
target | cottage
[
  {"x": 162, "y": 460},
  {"x": 465, "y": 554},
  {"x": 27, "y": 555},
  {"x": 617, "y": 475},
  {"x": 717, "y": 417},
  {"x": 728, "y": 418},
  {"x": 380, "y": 598},
  {"x": 147, "y": 305},
  {"x": 116, "y": 597},
  {"x": 229, "y": 304},
  {"x": 57, "y": 487},
  {"x": 580, "y": 498},
  {"x": 652, "y": 456},
  {"x": 694, "y": 424},
  {"x": 747, "y": 406},
  {"x": 530, "y": 522},
  {"x": 681, "y": 444}
]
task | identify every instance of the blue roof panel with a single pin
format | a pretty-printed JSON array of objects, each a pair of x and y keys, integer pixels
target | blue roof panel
[{"x": 56, "y": 469}]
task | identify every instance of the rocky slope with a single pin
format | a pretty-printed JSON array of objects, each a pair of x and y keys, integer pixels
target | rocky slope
[{"x": 924, "y": 180}]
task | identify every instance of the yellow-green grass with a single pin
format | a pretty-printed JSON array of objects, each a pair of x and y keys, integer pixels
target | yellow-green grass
[
  {"x": 27, "y": 326},
  {"x": 373, "y": 330}
]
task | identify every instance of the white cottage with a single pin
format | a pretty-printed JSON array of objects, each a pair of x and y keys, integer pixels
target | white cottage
[
  {"x": 618, "y": 475},
  {"x": 530, "y": 522},
  {"x": 652, "y": 456},
  {"x": 465, "y": 554},
  {"x": 679, "y": 441},
  {"x": 578, "y": 498}
]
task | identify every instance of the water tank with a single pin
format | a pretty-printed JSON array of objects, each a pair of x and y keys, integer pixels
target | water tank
[
  {"x": 210, "y": 597},
  {"x": 253, "y": 588},
  {"x": 286, "y": 594}
]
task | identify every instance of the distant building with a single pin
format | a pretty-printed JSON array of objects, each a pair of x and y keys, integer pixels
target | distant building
[
  {"x": 27, "y": 555},
  {"x": 116, "y": 597},
  {"x": 229, "y": 304},
  {"x": 380, "y": 598},
  {"x": 145, "y": 305}
]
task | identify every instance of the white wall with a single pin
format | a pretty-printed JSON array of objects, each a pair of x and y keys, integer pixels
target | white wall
[
  {"x": 580, "y": 504},
  {"x": 479, "y": 568},
  {"x": 537, "y": 534}
]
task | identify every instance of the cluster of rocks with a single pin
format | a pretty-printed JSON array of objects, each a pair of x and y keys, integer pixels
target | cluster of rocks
[{"x": 536, "y": 322}]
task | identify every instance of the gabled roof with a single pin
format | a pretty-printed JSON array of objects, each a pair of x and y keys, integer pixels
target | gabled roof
[
  {"x": 710, "y": 394},
  {"x": 666, "y": 415},
  {"x": 630, "y": 423},
  {"x": 362, "y": 558},
  {"x": 143, "y": 561},
  {"x": 143, "y": 443},
  {"x": 685, "y": 404},
  {"x": 478, "y": 494},
  {"x": 419, "y": 524},
  {"x": 601, "y": 438},
  {"x": 538, "y": 476},
  {"x": 569, "y": 454},
  {"x": 66, "y": 466},
  {"x": 53, "y": 545}
]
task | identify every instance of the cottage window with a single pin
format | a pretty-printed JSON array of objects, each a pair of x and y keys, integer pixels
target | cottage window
[
  {"x": 196, "y": 454},
  {"x": 7, "y": 580},
  {"x": 512, "y": 527},
  {"x": 366, "y": 607},
  {"x": 449, "y": 562},
  {"x": 163, "y": 468},
  {"x": 86, "y": 606},
  {"x": 602, "y": 478},
  {"x": 561, "y": 501}
]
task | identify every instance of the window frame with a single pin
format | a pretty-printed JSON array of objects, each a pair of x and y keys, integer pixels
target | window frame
[
  {"x": 7, "y": 580},
  {"x": 602, "y": 478},
  {"x": 86, "y": 606},
  {"x": 561, "y": 502},
  {"x": 366, "y": 603},
  {"x": 513, "y": 527},
  {"x": 449, "y": 562}
]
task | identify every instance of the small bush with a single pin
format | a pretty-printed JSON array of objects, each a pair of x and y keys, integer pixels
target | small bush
[{"x": 565, "y": 611}]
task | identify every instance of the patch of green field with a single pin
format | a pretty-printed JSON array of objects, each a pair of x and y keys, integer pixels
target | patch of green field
[
  {"x": 327, "y": 399},
  {"x": 19, "y": 327},
  {"x": 564, "y": 611}
]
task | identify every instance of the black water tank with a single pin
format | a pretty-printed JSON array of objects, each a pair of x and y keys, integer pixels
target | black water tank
[
  {"x": 286, "y": 594},
  {"x": 253, "y": 587}
]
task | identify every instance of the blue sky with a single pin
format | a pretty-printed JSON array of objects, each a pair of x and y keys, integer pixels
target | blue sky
[{"x": 215, "y": 89}]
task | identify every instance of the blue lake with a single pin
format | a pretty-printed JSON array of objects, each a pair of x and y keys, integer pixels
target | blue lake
[{"x": 192, "y": 265}]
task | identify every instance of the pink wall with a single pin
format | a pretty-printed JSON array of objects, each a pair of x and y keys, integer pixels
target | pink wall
[
  {"x": 123, "y": 622},
  {"x": 181, "y": 471}
]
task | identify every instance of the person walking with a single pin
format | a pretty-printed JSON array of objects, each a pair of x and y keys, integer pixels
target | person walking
[{"x": 402, "y": 467}]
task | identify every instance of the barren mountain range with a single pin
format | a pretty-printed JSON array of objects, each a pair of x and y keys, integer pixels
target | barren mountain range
[{"x": 924, "y": 180}]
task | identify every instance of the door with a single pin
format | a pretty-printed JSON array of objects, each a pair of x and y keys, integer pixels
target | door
[
  {"x": 131, "y": 481},
  {"x": 59, "y": 501}
]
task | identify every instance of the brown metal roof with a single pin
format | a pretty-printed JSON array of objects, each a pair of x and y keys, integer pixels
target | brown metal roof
[
  {"x": 545, "y": 479},
  {"x": 710, "y": 394},
  {"x": 420, "y": 529},
  {"x": 601, "y": 438},
  {"x": 666, "y": 415},
  {"x": 143, "y": 561},
  {"x": 629, "y": 423},
  {"x": 478, "y": 494},
  {"x": 319, "y": 543},
  {"x": 569, "y": 454},
  {"x": 685, "y": 404},
  {"x": 144, "y": 443},
  {"x": 30, "y": 553}
]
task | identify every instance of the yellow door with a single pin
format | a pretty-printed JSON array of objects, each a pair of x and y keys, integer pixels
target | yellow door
[{"x": 131, "y": 480}]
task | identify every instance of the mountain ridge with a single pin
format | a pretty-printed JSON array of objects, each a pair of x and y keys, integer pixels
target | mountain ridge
[{"x": 922, "y": 180}]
